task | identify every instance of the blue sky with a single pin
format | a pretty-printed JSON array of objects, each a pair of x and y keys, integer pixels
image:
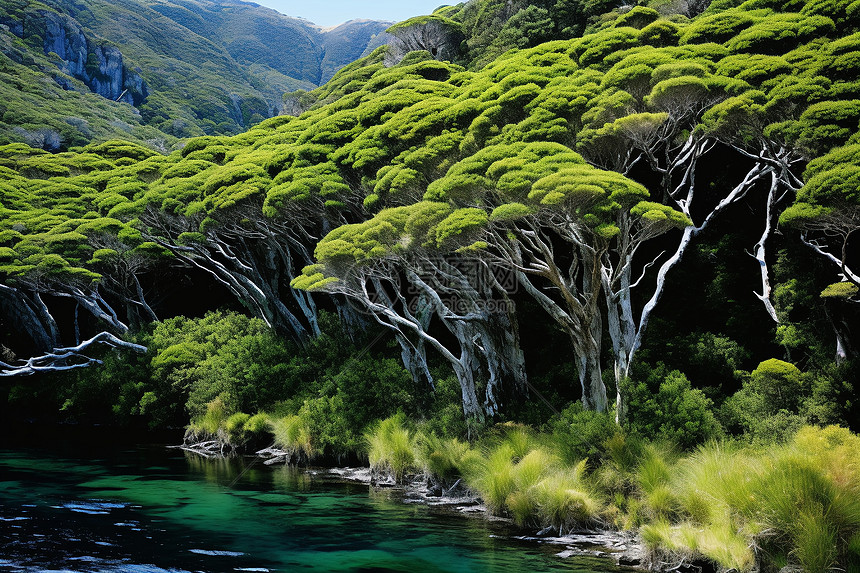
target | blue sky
[{"x": 333, "y": 12}]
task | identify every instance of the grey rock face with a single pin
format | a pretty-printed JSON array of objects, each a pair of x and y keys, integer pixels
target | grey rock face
[
  {"x": 435, "y": 36},
  {"x": 46, "y": 139},
  {"x": 100, "y": 67},
  {"x": 66, "y": 39},
  {"x": 13, "y": 26},
  {"x": 64, "y": 82}
]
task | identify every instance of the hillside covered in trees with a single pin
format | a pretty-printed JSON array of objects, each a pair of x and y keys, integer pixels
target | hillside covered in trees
[
  {"x": 636, "y": 226},
  {"x": 155, "y": 72}
]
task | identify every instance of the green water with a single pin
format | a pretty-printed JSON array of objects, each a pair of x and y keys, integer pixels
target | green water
[{"x": 152, "y": 509}]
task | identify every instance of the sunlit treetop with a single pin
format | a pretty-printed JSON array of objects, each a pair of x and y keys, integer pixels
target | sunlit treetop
[{"x": 499, "y": 138}]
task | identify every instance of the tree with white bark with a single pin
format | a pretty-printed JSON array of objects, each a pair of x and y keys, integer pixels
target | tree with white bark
[
  {"x": 826, "y": 211},
  {"x": 402, "y": 267}
]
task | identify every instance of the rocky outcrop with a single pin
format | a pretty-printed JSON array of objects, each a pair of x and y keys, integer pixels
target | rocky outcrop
[
  {"x": 100, "y": 67},
  {"x": 435, "y": 34},
  {"x": 12, "y": 25},
  {"x": 347, "y": 43}
]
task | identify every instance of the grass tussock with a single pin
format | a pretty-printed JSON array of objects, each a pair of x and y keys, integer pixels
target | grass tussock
[
  {"x": 293, "y": 435},
  {"x": 211, "y": 425},
  {"x": 493, "y": 477},
  {"x": 565, "y": 500},
  {"x": 797, "y": 502},
  {"x": 391, "y": 447},
  {"x": 441, "y": 459},
  {"x": 234, "y": 427},
  {"x": 257, "y": 425},
  {"x": 653, "y": 477},
  {"x": 521, "y": 477}
]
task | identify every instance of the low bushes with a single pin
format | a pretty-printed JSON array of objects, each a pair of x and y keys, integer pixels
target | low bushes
[{"x": 238, "y": 431}]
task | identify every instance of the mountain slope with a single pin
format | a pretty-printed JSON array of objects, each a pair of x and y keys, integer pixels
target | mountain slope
[{"x": 191, "y": 67}]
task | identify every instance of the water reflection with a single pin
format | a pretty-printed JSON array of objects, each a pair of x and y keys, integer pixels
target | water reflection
[{"x": 290, "y": 478}]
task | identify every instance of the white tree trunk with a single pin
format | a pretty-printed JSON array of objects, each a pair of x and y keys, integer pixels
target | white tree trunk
[
  {"x": 760, "y": 252},
  {"x": 31, "y": 315}
]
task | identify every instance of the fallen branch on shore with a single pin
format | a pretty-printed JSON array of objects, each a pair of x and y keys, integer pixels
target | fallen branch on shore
[{"x": 206, "y": 448}]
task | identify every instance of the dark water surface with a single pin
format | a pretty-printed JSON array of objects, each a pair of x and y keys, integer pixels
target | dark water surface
[{"x": 151, "y": 509}]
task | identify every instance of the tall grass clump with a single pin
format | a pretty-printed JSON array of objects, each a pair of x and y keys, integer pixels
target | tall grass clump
[
  {"x": 258, "y": 425},
  {"x": 797, "y": 503},
  {"x": 211, "y": 423},
  {"x": 493, "y": 477},
  {"x": 706, "y": 482},
  {"x": 292, "y": 434},
  {"x": 521, "y": 477},
  {"x": 254, "y": 433},
  {"x": 617, "y": 474},
  {"x": 442, "y": 460},
  {"x": 234, "y": 427},
  {"x": 565, "y": 500},
  {"x": 391, "y": 447},
  {"x": 653, "y": 478},
  {"x": 520, "y": 439},
  {"x": 527, "y": 474}
]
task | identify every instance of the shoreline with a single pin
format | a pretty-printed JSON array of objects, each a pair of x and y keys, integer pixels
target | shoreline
[{"x": 625, "y": 548}]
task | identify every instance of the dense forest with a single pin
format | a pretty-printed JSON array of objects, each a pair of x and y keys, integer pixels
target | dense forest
[{"x": 599, "y": 263}]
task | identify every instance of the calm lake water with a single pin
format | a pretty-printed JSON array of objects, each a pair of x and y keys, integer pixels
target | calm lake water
[{"x": 149, "y": 509}]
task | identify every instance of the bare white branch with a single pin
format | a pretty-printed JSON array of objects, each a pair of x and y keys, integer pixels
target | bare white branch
[{"x": 68, "y": 358}]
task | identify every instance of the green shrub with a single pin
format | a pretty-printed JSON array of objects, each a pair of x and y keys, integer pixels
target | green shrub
[
  {"x": 332, "y": 426},
  {"x": 445, "y": 417},
  {"x": 767, "y": 407},
  {"x": 665, "y": 406},
  {"x": 222, "y": 354},
  {"x": 578, "y": 433}
]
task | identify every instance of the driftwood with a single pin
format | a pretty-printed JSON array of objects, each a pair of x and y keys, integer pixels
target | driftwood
[
  {"x": 273, "y": 455},
  {"x": 206, "y": 448}
]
